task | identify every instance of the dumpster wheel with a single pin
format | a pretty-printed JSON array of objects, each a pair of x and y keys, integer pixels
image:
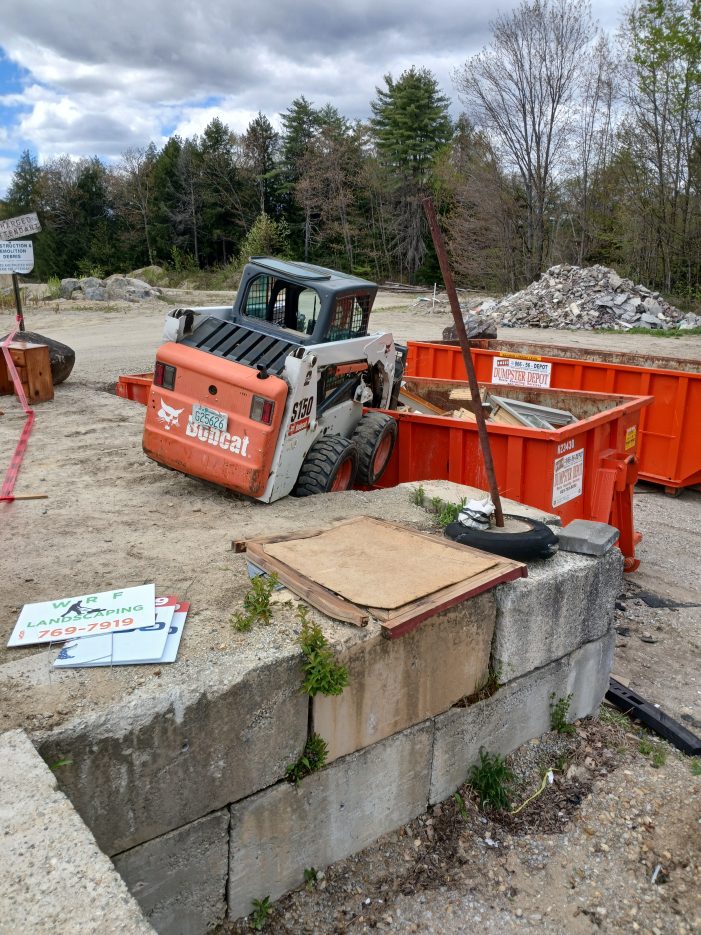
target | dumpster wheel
[{"x": 522, "y": 539}]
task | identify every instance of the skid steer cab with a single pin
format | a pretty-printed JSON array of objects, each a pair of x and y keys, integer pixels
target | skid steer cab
[{"x": 271, "y": 397}]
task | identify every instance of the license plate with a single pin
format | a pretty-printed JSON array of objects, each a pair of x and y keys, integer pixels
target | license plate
[{"x": 203, "y": 415}]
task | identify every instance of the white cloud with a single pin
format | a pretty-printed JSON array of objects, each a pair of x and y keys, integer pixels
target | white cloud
[{"x": 101, "y": 77}]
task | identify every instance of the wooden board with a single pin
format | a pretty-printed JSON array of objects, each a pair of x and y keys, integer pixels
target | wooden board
[
  {"x": 392, "y": 566},
  {"x": 33, "y": 369},
  {"x": 397, "y": 621}
]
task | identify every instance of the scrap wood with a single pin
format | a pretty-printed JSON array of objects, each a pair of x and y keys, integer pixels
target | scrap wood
[
  {"x": 394, "y": 622},
  {"x": 318, "y": 596}
]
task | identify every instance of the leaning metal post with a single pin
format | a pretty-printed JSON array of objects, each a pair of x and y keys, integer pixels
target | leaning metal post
[{"x": 461, "y": 332}]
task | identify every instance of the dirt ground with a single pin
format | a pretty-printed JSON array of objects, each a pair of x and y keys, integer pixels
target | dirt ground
[{"x": 113, "y": 518}]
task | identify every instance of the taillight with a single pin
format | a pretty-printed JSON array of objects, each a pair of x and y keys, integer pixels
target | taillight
[
  {"x": 164, "y": 375},
  {"x": 262, "y": 410}
]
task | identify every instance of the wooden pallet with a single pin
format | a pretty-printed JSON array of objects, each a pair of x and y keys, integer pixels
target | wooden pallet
[
  {"x": 483, "y": 572},
  {"x": 33, "y": 368}
]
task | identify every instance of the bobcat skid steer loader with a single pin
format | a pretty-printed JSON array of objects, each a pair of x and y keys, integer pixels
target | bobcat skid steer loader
[{"x": 267, "y": 398}]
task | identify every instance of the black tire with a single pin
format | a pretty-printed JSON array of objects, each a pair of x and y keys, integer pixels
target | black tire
[
  {"x": 61, "y": 356},
  {"x": 327, "y": 457},
  {"x": 375, "y": 435},
  {"x": 538, "y": 541}
]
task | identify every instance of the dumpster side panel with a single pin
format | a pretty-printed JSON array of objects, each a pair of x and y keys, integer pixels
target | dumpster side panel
[{"x": 668, "y": 445}]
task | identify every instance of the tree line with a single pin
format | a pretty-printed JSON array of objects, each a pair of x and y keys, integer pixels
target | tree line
[{"x": 571, "y": 147}]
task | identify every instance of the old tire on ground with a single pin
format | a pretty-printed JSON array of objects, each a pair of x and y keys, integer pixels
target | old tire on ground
[
  {"x": 375, "y": 437},
  {"x": 61, "y": 356},
  {"x": 330, "y": 465},
  {"x": 536, "y": 541}
]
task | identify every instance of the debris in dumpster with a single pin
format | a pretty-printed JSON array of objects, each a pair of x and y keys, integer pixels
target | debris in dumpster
[
  {"x": 530, "y": 414},
  {"x": 137, "y": 646},
  {"x": 653, "y": 717},
  {"x": 402, "y": 577},
  {"x": 85, "y": 615},
  {"x": 418, "y": 404}
]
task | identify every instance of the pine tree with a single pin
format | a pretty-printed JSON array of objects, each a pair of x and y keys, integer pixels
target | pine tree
[{"x": 410, "y": 126}]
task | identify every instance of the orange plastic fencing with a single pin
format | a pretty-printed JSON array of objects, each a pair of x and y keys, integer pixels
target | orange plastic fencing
[
  {"x": 670, "y": 443},
  {"x": 586, "y": 470}
]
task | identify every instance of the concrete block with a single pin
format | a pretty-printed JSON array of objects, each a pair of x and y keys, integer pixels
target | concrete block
[
  {"x": 396, "y": 683},
  {"x": 564, "y": 602},
  {"x": 452, "y": 492},
  {"x": 517, "y": 712},
  {"x": 54, "y": 877},
  {"x": 586, "y": 537},
  {"x": 157, "y": 762},
  {"x": 179, "y": 879},
  {"x": 329, "y": 815}
]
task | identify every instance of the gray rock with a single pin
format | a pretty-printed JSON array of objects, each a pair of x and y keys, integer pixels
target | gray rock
[
  {"x": 68, "y": 287},
  {"x": 652, "y": 306},
  {"x": 95, "y": 293},
  {"x": 615, "y": 280},
  {"x": 90, "y": 282},
  {"x": 649, "y": 321}
]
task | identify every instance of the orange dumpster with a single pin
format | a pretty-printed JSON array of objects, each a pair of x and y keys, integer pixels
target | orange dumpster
[
  {"x": 135, "y": 386},
  {"x": 584, "y": 470},
  {"x": 670, "y": 444}
]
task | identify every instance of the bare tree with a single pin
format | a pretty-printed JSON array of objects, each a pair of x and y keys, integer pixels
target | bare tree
[
  {"x": 134, "y": 190},
  {"x": 520, "y": 91}
]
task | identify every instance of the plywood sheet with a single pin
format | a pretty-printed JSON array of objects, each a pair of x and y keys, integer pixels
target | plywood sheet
[{"x": 374, "y": 564}]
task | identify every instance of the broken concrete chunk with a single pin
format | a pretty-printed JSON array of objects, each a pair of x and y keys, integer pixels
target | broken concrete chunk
[{"x": 587, "y": 537}]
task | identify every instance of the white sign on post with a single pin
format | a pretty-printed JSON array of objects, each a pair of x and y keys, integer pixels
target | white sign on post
[
  {"x": 21, "y": 226},
  {"x": 16, "y": 256}
]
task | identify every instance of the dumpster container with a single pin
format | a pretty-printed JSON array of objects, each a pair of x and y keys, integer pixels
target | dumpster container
[
  {"x": 670, "y": 445},
  {"x": 585, "y": 470},
  {"x": 135, "y": 386}
]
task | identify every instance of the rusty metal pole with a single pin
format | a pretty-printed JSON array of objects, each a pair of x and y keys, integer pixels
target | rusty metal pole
[
  {"x": 467, "y": 357},
  {"x": 18, "y": 302}
]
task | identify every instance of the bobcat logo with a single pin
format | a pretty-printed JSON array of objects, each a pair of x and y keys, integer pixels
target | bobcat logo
[{"x": 168, "y": 416}]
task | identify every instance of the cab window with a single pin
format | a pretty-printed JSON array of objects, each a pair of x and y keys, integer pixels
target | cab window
[
  {"x": 282, "y": 303},
  {"x": 350, "y": 317}
]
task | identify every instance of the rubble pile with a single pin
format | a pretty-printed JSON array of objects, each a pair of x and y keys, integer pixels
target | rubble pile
[
  {"x": 115, "y": 288},
  {"x": 576, "y": 297}
]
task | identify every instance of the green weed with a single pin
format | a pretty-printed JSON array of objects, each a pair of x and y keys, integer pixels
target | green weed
[
  {"x": 654, "y": 332},
  {"x": 310, "y": 877},
  {"x": 54, "y": 286},
  {"x": 256, "y": 603},
  {"x": 313, "y": 757},
  {"x": 558, "y": 714},
  {"x": 65, "y": 761},
  {"x": 322, "y": 674},
  {"x": 614, "y": 717},
  {"x": 659, "y": 757},
  {"x": 261, "y": 910},
  {"x": 492, "y": 780},
  {"x": 645, "y": 746},
  {"x": 417, "y": 496},
  {"x": 460, "y": 805},
  {"x": 695, "y": 766}
]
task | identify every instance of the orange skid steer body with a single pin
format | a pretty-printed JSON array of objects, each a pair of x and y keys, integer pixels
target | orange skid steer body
[
  {"x": 267, "y": 398},
  {"x": 227, "y": 446}
]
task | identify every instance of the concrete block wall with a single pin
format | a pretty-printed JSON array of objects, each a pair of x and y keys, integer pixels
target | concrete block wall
[
  {"x": 396, "y": 683},
  {"x": 54, "y": 877},
  {"x": 185, "y": 789}
]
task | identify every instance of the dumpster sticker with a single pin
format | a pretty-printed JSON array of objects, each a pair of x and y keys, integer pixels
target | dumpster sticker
[
  {"x": 514, "y": 371},
  {"x": 631, "y": 437},
  {"x": 568, "y": 477}
]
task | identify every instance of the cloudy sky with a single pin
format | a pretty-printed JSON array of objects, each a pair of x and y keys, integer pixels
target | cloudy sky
[{"x": 87, "y": 77}]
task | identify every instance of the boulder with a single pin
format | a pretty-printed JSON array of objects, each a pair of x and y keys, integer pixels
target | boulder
[{"x": 68, "y": 287}]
